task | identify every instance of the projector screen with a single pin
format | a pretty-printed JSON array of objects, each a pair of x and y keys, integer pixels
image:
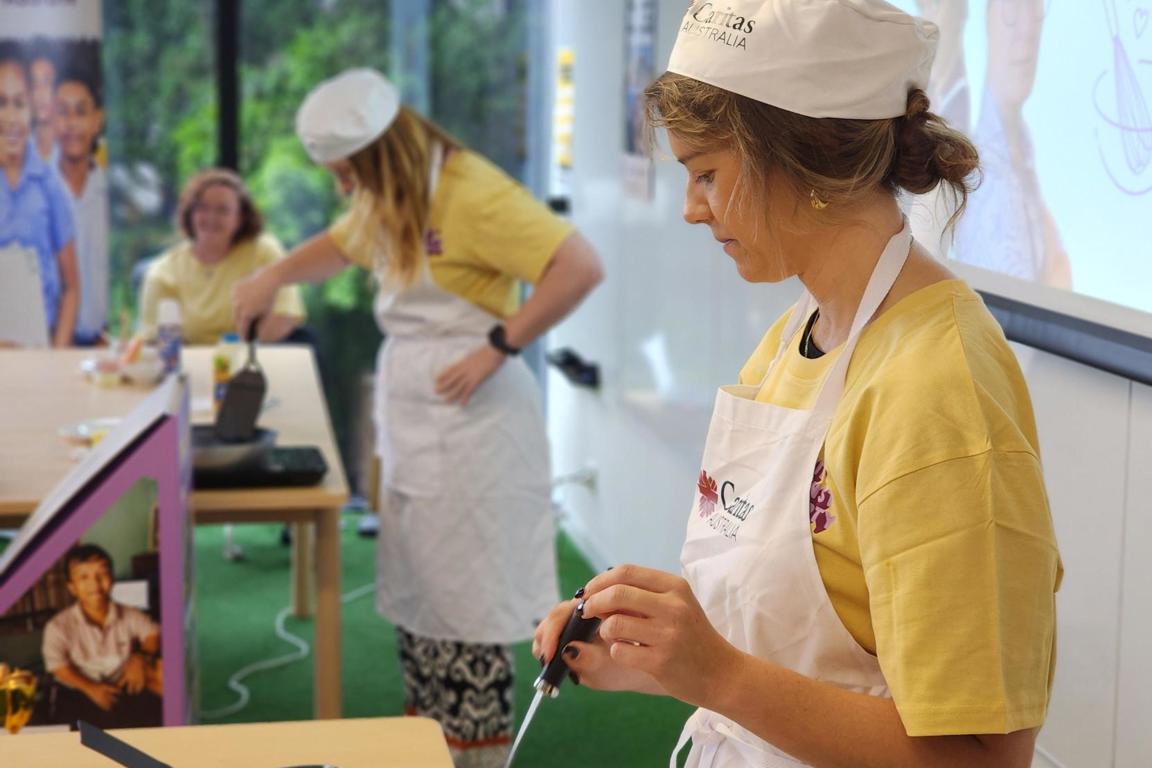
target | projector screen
[{"x": 1057, "y": 96}]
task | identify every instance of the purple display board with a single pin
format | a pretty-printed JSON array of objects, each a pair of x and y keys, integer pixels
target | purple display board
[{"x": 93, "y": 589}]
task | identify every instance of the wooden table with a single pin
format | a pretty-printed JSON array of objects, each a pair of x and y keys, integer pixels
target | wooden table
[
  {"x": 382, "y": 742},
  {"x": 43, "y": 390}
]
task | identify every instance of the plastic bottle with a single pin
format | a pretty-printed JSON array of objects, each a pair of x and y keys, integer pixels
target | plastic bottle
[
  {"x": 169, "y": 334},
  {"x": 223, "y": 363}
]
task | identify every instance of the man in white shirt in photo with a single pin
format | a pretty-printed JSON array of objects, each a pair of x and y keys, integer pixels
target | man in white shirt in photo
[{"x": 104, "y": 655}]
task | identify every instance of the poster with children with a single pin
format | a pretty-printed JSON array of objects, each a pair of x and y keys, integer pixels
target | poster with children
[
  {"x": 92, "y": 589},
  {"x": 53, "y": 187}
]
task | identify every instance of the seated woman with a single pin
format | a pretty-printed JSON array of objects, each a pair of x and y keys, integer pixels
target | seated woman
[{"x": 225, "y": 243}]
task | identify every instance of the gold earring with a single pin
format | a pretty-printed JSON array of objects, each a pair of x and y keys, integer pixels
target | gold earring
[{"x": 817, "y": 203}]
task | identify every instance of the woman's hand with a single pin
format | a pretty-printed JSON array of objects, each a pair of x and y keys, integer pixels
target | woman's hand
[
  {"x": 457, "y": 382},
  {"x": 252, "y": 298},
  {"x": 590, "y": 663},
  {"x": 653, "y": 624}
]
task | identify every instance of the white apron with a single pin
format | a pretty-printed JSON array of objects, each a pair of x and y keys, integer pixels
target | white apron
[
  {"x": 748, "y": 553},
  {"x": 466, "y": 546}
]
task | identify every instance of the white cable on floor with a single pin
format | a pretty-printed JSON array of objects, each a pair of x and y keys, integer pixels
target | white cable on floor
[{"x": 302, "y": 651}]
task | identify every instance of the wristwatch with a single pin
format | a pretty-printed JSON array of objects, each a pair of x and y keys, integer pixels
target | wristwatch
[{"x": 497, "y": 339}]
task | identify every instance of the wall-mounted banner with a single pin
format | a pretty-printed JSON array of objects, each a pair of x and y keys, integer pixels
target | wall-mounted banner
[
  {"x": 640, "y": 68},
  {"x": 53, "y": 189}
]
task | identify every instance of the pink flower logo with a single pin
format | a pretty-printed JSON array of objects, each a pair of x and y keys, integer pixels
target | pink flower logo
[
  {"x": 820, "y": 501},
  {"x": 708, "y": 496},
  {"x": 433, "y": 245}
]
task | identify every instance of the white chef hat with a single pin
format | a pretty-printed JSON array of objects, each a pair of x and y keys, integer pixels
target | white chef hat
[
  {"x": 346, "y": 113},
  {"x": 820, "y": 58}
]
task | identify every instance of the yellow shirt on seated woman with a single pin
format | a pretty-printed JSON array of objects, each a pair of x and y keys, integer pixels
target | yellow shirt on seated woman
[{"x": 224, "y": 244}]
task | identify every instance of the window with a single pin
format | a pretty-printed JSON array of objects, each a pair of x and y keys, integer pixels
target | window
[{"x": 160, "y": 127}]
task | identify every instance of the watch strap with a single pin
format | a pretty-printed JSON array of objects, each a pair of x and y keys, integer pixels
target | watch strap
[{"x": 498, "y": 339}]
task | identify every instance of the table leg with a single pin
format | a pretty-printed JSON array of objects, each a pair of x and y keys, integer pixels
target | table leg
[
  {"x": 327, "y": 644},
  {"x": 302, "y": 556}
]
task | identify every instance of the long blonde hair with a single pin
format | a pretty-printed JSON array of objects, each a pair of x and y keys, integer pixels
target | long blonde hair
[{"x": 391, "y": 203}]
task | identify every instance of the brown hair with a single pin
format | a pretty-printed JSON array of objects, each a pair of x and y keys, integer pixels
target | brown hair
[
  {"x": 838, "y": 160},
  {"x": 391, "y": 204},
  {"x": 82, "y": 553},
  {"x": 251, "y": 221},
  {"x": 12, "y": 54}
]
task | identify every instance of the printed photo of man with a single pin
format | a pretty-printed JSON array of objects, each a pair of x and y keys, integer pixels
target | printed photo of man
[
  {"x": 79, "y": 118},
  {"x": 105, "y": 656}
]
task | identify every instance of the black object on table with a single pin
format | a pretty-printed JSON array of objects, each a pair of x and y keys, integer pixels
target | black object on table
[
  {"x": 276, "y": 466},
  {"x": 125, "y": 754},
  {"x": 116, "y": 749}
]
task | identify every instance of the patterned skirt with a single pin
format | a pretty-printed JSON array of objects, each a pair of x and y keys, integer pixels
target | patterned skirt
[{"x": 467, "y": 688}]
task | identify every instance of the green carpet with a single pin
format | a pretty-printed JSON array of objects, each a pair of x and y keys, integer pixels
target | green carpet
[{"x": 236, "y": 608}]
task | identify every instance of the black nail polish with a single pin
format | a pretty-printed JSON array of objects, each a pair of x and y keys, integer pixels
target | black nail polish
[
  {"x": 579, "y": 593},
  {"x": 542, "y": 661},
  {"x": 571, "y": 651},
  {"x": 575, "y": 678}
]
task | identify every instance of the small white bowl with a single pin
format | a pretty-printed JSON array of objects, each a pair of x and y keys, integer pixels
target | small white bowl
[{"x": 146, "y": 370}]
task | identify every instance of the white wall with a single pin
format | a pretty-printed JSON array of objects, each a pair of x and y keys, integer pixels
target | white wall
[
  {"x": 1134, "y": 669},
  {"x": 1083, "y": 417},
  {"x": 673, "y": 321}
]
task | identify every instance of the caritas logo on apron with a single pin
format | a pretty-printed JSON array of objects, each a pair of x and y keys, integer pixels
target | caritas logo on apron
[{"x": 734, "y": 509}]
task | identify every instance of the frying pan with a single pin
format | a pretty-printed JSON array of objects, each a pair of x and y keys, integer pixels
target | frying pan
[{"x": 211, "y": 453}]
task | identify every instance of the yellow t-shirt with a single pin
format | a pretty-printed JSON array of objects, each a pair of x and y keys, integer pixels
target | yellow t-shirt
[
  {"x": 486, "y": 233},
  {"x": 930, "y": 520},
  {"x": 205, "y": 291}
]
